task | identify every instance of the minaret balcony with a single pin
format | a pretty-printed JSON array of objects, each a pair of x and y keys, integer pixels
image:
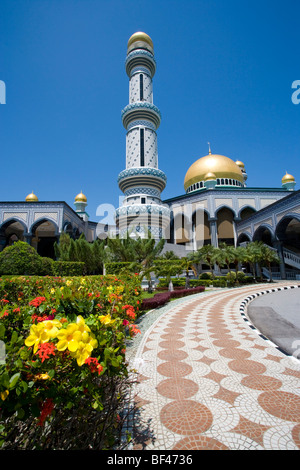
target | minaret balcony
[
  {"x": 141, "y": 110},
  {"x": 142, "y": 176},
  {"x": 140, "y": 58}
]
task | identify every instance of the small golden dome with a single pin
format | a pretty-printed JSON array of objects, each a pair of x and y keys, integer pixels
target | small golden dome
[
  {"x": 288, "y": 178},
  {"x": 140, "y": 40},
  {"x": 240, "y": 164},
  {"x": 221, "y": 166},
  {"x": 31, "y": 197},
  {"x": 210, "y": 176},
  {"x": 80, "y": 197}
]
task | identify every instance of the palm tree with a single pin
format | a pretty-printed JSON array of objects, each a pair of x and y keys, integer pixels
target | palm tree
[
  {"x": 205, "y": 254},
  {"x": 219, "y": 258},
  {"x": 269, "y": 256},
  {"x": 168, "y": 269},
  {"x": 228, "y": 254},
  {"x": 254, "y": 255},
  {"x": 187, "y": 264},
  {"x": 239, "y": 256}
]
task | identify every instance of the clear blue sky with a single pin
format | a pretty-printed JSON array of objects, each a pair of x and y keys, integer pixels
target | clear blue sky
[{"x": 224, "y": 74}]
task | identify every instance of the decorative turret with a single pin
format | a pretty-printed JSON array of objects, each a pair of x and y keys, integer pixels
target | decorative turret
[
  {"x": 31, "y": 197},
  {"x": 80, "y": 204},
  {"x": 288, "y": 182},
  {"x": 141, "y": 182}
]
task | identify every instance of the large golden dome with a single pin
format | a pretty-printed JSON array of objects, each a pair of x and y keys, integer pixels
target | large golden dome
[
  {"x": 221, "y": 166},
  {"x": 140, "y": 40}
]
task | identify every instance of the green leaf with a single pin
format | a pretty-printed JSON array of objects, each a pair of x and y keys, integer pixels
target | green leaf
[
  {"x": 5, "y": 380},
  {"x": 14, "y": 337},
  {"x": 13, "y": 380},
  {"x": 2, "y": 330}
]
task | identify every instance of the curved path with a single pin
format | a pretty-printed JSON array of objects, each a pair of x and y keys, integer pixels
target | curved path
[{"x": 206, "y": 379}]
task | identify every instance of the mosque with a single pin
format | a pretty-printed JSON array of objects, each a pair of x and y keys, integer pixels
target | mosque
[{"x": 217, "y": 205}]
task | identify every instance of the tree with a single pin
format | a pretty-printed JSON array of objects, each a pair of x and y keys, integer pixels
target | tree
[
  {"x": 167, "y": 269},
  {"x": 239, "y": 256},
  {"x": 219, "y": 258},
  {"x": 227, "y": 254},
  {"x": 254, "y": 255},
  {"x": 170, "y": 255},
  {"x": 186, "y": 265},
  {"x": 62, "y": 248},
  {"x": 269, "y": 256},
  {"x": 205, "y": 255}
]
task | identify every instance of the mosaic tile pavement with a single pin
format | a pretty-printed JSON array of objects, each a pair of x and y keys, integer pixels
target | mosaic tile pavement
[{"x": 207, "y": 379}]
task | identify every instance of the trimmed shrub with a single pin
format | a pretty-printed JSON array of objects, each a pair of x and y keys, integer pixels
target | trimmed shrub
[
  {"x": 117, "y": 267},
  {"x": 162, "y": 298},
  {"x": 47, "y": 267},
  {"x": 68, "y": 268},
  {"x": 20, "y": 259},
  {"x": 205, "y": 276},
  {"x": 177, "y": 282}
]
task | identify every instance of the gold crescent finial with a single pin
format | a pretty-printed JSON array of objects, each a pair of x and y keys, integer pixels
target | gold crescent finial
[{"x": 209, "y": 150}]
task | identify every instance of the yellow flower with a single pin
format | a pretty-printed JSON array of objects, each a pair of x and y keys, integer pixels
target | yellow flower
[
  {"x": 4, "y": 395},
  {"x": 81, "y": 324},
  {"x": 52, "y": 291},
  {"x": 83, "y": 281},
  {"x": 84, "y": 350},
  {"x": 42, "y": 376},
  {"x": 72, "y": 335},
  {"x": 69, "y": 338},
  {"x": 41, "y": 333},
  {"x": 106, "y": 319},
  {"x": 68, "y": 282},
  {"x": 51, "y": 328}
]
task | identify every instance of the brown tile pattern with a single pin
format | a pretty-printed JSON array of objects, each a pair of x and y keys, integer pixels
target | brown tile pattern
[
  {"x": 186, "y": 417},
  {"x": 206, "y": 381}
]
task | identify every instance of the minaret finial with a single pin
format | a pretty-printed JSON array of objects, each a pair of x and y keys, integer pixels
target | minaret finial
[{"x": 209, "y": 150}]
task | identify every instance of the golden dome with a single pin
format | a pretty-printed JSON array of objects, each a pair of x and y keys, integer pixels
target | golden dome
[
  {"x": 140, "y": 40},
  {"x": 221, "y": 166},
  {"x": 80, "y": 198},
  {"x": 288, "y": 178},
  {"x": 210, "y": 176},
  {"x": 31, "y": 197}
]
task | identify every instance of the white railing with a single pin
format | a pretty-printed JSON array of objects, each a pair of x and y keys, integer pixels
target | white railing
[{"x": 291, "y": 258}]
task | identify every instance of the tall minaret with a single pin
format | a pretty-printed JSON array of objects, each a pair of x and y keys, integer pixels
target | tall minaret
[{"x": 142, "y": 182}]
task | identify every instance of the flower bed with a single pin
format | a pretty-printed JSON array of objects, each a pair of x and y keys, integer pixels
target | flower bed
[
  {"x": 63, "y": 378},
  {"x": 162, "y": 298}
]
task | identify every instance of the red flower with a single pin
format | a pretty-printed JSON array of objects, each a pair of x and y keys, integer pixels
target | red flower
[
  {"x": 16, "y": 310},
  {"x": 45, "y": 349},
  {"x": 4, "y": 301},
  {"x": 134, "y": 330},
  {"x": 94, "y": 365},
  {"x": 46, "y": 411},
  {"x": 125, "y": 322},
  {"x": 37, "y": 301}
]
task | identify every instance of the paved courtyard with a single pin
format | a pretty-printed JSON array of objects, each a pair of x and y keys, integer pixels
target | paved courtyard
[{"x": 208, "y": 379}]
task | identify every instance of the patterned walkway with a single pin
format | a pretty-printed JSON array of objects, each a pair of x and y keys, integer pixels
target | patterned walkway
[{"x": 206, "y": 379}]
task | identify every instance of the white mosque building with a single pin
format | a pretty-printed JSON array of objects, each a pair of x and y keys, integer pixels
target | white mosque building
[{"x": 216, "y": 205}]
